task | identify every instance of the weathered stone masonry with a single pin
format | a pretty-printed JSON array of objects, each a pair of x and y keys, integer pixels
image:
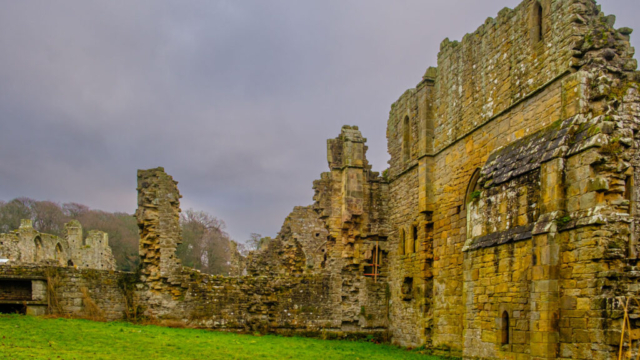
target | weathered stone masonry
[
  {"x": 503, "y": 165},
  {"x": 28, "y": 246},
  {"x": 506, "y": 226}
]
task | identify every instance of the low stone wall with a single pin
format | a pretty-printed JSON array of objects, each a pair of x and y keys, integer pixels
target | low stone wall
[
  {"x": 301, "y": 304},
  {"x": 76, "y": 292},
  {"x": 305, "y": 305}
]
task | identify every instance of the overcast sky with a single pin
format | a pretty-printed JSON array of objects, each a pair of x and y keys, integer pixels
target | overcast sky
[{"x": 234, "y": 98}]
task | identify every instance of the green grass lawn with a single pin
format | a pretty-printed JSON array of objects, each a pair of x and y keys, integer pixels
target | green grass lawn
[{"x": 26, "y": 337}]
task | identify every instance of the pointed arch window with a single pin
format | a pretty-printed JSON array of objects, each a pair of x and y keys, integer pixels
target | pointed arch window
[{"x": 472, "y": 188}]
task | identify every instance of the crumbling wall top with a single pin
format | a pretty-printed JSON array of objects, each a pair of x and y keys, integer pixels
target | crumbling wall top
[{"x": 158, "y": 217}]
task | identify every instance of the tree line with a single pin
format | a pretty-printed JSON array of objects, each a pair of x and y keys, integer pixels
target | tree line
[{"x": 205, "y": 245}]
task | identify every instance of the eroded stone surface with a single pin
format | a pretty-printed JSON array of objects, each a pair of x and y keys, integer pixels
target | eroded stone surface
[
  {"x": 506, "y": 226},
  {"x": 28, "y": 246}
]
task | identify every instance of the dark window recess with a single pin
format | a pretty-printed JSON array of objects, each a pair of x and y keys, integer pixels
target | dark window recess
[
  {"x": 39, "y": 251},
  {"x": 628, "y": 191},
  {"x": 472, "y": 187},
  {"x": 407, "y": 288},
  {"x": 428, "y": 232},
  {"x": 15, "y": 290},
  {"x": 538, "y": 32},
  {"x": 372, "y": 269},
  {"x": 416, "y": 244},
  {"x": 13, "y": 309},
  {"x": 406, "y": 139},
  {"x": 504, "y": 331}
]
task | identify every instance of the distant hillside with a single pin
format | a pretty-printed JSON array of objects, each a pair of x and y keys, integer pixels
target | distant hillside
[{"x": 205, "y": 244}]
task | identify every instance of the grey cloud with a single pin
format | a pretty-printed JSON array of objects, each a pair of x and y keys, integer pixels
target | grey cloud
[{"x": 234, "y": 98}]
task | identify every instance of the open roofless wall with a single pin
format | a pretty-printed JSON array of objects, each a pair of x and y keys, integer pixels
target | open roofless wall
[
  {"x": 283, "y": 297},
  {"x": 506, "y": 226}
]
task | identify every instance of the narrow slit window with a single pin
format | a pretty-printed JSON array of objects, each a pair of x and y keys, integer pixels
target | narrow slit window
[
  {"x": 537, "y": 22},
  {"x": 415, "y": 239},
  {"x": 406, "y": 139},
  {"x": 628, "y": 191},
  {"x": 505, "y": 328},
  {"x": 429, "y": 232}
]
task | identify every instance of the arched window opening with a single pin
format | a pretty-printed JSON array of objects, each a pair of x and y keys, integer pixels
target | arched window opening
[
  {"x": 59, "y": 254},
  {"x": 70, "y": 263},
  {"x": 406, "y": 139},
  {"x": 505, "y": 328},
  {"x": 537, "y": 30},
  {"x": 415, "y": 239},
  {"x": 473, "y": 189},
  {"x": 402, "y": 242},
  {"x": 39, "y": 250}
]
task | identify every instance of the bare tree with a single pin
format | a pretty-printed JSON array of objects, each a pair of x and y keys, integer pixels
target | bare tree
[
  {"x": 73, "y": 210},
  {"x": 48, "y": 217},
  {"x": 12, "y": 212},
  {"x": 205, "y": 245}
]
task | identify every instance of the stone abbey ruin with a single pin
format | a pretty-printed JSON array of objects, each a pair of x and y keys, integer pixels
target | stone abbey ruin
[
  {"x": 28, "y": 246},
  {"x": 506, "y": 226}
]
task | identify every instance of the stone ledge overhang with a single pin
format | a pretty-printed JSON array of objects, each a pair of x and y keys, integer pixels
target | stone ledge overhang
[{"x": 515, "y": 234}]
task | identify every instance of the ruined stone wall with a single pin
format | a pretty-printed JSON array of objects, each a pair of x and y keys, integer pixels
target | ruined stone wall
[
  {"x": 446, "y": 176},
  {"x": 250, "y": 303},
  {"x": 498, "y": 275},
  {"x": 299, "y": 247},
  {"x": 506, "y": 226},
  {"x": 95, "y": 294},
  {"x": 279, "y": 294},
  {"x": 352, "y": 201},
  {"x": 28, "y": 246},
  {"x": 305, "y": 226},
  {"x": 501, "y": 63},
  {"x": 410, "y": 134},
  {"x": 491, "y": 89},
  {"x": 158, "y": 216}
]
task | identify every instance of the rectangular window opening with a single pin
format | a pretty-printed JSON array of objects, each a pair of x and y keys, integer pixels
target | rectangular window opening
[{"x": 15, "y": 290}]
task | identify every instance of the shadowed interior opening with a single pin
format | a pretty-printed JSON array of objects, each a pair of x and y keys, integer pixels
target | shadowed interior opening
[{"x": 13, "y": 309}]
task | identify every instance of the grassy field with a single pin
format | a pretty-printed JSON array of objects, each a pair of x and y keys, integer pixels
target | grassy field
[{"x": 26, "y": 337}]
